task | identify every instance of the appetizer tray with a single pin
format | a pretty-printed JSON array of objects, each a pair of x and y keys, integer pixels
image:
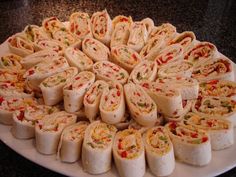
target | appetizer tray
[
  {"x": 221, "y": 162},
  {"x": 144, "y": 51}
]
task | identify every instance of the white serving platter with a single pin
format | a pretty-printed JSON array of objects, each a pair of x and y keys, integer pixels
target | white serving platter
[{"x": 221, "y": 162}]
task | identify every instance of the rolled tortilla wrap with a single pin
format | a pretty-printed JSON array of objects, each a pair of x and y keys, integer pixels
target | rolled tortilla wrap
[
  {"x": 92, "y": 99},
  {"x": 191, "y": 145},
  {"x": 20, "y": 46},
  {"x": 35, "y": 58},
  {"x": 168, "y": 100},
  {"x": 70, "y": 145},
  {"x": 102, "y": 26},
  {"x": 108, "y": 71},
  {"x": 178, "y": 68},
  {"x": 222, "y": 107},
  {"x": 8, "y": 105},
  {"x": 24, "y": 120},
  {"x": 120, "y": 33},
  {"x": 149, "y": 24},
  {"x": 169, "y": 54},
  {"x": 77, "y": 58},
  {"x": 144, "y": 71},
  {"x": 186, "y": 39},
  {"x": 10, "y": 61},
  {"x": 220, "y": 68},
  {"x": 128, "y": 153},
  {"x": 95, "y": 50},
  {"x": 187, "y": 105},
  {"x": 188, "y": 87},
  {"x": 44, "y": 69},
  {"x": 52, "y": 24},
  {"x": 15, "y": 89},
  {"x": 220, "y": 130},
  {"x": 97, "y": 147},
  {"x": 43, "y": 44},
  {"x": 159, "y": 151},
  {"x": 75, "y": 90},
  {"x": 33, "y": 33},
  {"x": 138, "y": 36},
  {"x": 7, "y": 75},
  {"x": 112, "y": 104},
  {"x": 142, "y": 108},
  {"x": 167, "y": 30},
  {"x": 201, "y": 52},
  {"x": 125, "y": 57},
  {"x": 220, "y": 88},
  {"x": 65, "y": 37},
  {"x": 121, "y": 18},
  {"x": 80, "y": 25},
  {"x": 52, "y": 87},
  {"x": 48, "y": 131},
  {"x": 152, "y": 48}
]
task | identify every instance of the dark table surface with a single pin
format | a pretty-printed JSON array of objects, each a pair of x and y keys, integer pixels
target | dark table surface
[{"x": 210, "y": 20}]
